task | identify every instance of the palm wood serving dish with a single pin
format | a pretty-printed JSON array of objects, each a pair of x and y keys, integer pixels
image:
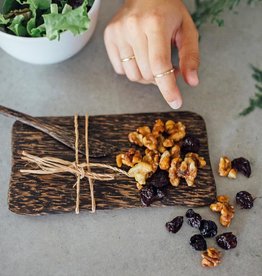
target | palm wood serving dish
[{"x": 31, "y": 194}]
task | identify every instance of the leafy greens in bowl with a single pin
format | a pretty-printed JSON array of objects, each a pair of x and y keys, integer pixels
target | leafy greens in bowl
[{"x": 45, "y": 18}]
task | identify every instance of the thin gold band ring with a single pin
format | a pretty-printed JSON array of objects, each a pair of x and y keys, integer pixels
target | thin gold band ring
[
  {"x": 157, "y": 76},
  {"x": 127, "y": 58}
]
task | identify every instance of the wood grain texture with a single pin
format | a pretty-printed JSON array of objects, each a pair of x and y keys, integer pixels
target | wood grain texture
[
  {"x": 35, "y": 195},
  {"x": 61, "y": 134}
]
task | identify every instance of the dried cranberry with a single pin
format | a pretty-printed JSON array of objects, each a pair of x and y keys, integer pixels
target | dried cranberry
[
  {"x": 160, "y": 193},
  {"x": 208, "y": 228},
  {"x": 227, "y": 240},
  {"x": 242, "y": 165},
  {"x": 244, "y": 199},
  {"x": 190, "y": 144},
  {"x": 159, "y": 179},
  {"x": 193, "y": 219},
  {"x": 175, "y": 224},
  {"x": 147, "y": 195},
  {"x": 198, "y": 242},
  {"x": 150, "y": 194}
]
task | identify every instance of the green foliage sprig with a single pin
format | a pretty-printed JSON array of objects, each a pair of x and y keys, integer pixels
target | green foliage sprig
[
  {"x": 211, "y": 10},
  {"x": 256, "y": 101}
]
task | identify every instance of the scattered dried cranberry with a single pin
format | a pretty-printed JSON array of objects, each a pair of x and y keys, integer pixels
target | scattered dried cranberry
[
  {"x": 227, "y": 240},
  {"x": 159, "y": 179},
  {"x": 147, "y": 195},
  {"x": 150, "y": 194},
  {"x": 244, "y": 199},
  {"x": 175, "y": 224},
  {"x": 193, "y": 219},
  {"x": 160, "y": 193},
  {"x": 208, "y": 228},
  {"x": 190, "y": 144},
  {"x": 242, "y": 165},
  {"x": 198, "y": 242}
]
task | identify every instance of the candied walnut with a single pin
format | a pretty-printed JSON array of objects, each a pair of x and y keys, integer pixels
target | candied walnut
[
  {"x": 150, "y": 142},
  {"x": 168, "y": 143},
  {"x": 224, "y": 166},
  {"x": 164, "y": 162},
  {"x": 223, "y": 199},
  {"x": 141, "y": 172},
  {"x": 160, "y": 141},
  {"x": 144, "y": 130},
  {"x": 177, "y": 131},
  {"x": 136, "y": 138},
  {"x": 119, "y": 158},
  {"x": 172, "y": 172},
  {"x": 175, "y": 151},
  {"x": 188, "y": 170},
  {"x": 158, "y": 128},
  {"x": 129, "y": 158},
  {"x": 139, "y": 186},
  {"x": 211, "y": 257},
  {"x": 226, "y": 210},
  {"x": 200, "y": 161},
  {"x": 151, "y": 157},
  {"x": 232, "y": 174}
]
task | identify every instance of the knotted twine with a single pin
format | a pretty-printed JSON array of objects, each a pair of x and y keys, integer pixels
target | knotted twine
[{"x": 53, "y": 165}]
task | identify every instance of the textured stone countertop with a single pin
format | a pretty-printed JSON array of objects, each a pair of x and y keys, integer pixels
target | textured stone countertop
[{"x": 135, "y": 242}]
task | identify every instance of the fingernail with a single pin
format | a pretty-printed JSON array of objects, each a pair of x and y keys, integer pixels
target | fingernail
[
  {"x": 175, "y": 104},
  {"x": 193, "y": 78}
]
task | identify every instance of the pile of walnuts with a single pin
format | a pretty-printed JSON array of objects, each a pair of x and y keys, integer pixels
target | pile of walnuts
[{"x": 162, "y": 146}]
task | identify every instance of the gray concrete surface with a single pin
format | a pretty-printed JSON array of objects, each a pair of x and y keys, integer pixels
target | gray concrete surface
[{"x": 135, "y": 242}]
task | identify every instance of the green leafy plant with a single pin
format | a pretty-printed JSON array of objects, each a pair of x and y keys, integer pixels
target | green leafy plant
[
  {"x": 36, "y": 18},
  {"x": 211, "y": 10},
  {"x": 256, "y": 101}
]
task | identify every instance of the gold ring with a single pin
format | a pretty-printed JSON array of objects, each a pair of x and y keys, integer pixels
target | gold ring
[
  {"x": 164, "y": 73},
  {"x": 127, "y": 58}
]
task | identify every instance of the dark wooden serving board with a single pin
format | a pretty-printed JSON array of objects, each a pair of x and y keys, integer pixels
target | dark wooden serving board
[{"x": 42, "y": 194}]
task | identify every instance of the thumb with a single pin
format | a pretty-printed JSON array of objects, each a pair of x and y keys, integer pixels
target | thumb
[{"x": 188, "y": 51}]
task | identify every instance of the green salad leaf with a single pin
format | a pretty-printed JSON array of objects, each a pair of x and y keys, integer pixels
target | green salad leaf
[
  {"x": 74, "y": 20},
  {"x": 3, "y": 21},
  {"x": 37, "y": 18},
  {"x": 17, "y": 26}
]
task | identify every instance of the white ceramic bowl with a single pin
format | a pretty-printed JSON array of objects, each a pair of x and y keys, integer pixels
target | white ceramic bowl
[{"x": 40, "y": 50}]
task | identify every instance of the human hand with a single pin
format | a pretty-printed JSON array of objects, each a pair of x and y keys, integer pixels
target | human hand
[{"x": 146, "y": 30}]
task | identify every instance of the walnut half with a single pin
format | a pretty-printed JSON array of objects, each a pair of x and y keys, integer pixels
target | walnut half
[
  {"x": 141, "y": 172},
  {"x": 224, "y": 166},
  {"x": 226, "y": 210},
  {"x": 211, "y": 257},
  {"x": 188, "y": 170}
]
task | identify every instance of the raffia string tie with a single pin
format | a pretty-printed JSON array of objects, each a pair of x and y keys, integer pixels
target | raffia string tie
[{"x": 53, "y": 165}]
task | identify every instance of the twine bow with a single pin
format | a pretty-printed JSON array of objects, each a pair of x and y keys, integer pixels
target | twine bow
[{"x": 53, "y": 165}]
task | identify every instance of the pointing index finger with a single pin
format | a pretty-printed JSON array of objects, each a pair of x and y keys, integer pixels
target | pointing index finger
[{"x": 159, "y": 50}]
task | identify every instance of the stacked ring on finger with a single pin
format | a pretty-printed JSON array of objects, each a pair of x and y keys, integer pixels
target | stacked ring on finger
[
  {"x": 163, "y": 74},
  {"x": 127, "y": 58}
]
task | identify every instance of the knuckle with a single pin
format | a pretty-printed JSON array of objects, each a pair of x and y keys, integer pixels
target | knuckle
[
  {"x": 132, "y": 76},
  {"x": 132, "y": 21},
  {"x": 160, "y": 62},
  {"x": 110, "y": 30},
  {"x": 155, "y": 19},
  {"x": 148, "y": 77},
  {"x": 119, "y": 71}
]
